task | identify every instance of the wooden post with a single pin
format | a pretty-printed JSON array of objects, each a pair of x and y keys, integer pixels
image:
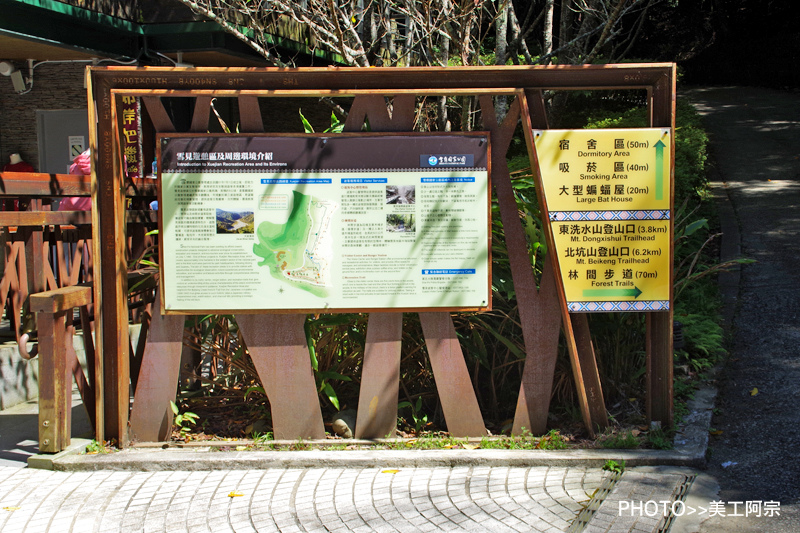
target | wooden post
[
  {"x": 576, "y": 327},
  {"x": 110, "y": 284},
  {"x": 538, "y": 310},
  {"x": 659, "y": 325},
  {"x": 151, "y": 414},
  {"x": 277, "y": 345},
  {"x": 380, "y": 377},
  {"x": 55, "y": 369},
  {"x": 459, "y": 403},
  {"x": 54, "y": 381}
]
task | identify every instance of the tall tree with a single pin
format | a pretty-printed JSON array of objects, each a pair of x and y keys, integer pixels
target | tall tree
[{"x": 430, "y": 32}]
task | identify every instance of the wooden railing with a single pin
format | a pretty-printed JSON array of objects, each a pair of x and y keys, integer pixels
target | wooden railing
[{"x": 48, "y": 263}]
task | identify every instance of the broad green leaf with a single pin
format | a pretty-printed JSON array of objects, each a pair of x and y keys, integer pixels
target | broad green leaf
[
  {"x": 694, "y": 226},
  {"x": 307, "y": 127},
  {"x": 330, "y": 374},
  {"x": 254, "y": 389},
  {"x": 332, "y": 396}
]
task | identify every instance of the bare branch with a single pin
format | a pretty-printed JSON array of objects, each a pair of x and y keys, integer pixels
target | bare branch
[
  {"x": 612, "y": 20},
  {"x": 231, "y": 28}
]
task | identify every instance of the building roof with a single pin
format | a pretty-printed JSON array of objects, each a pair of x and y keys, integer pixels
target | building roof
[{"x": 138, "y": 31}]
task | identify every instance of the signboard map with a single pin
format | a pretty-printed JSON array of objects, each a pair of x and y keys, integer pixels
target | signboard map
[
  {"x": 324, "y": 223},
  {"x": 609, "y": 203}
]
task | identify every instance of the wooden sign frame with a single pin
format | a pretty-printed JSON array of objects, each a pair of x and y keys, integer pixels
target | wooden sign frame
[{"x": 539, "y": 313}]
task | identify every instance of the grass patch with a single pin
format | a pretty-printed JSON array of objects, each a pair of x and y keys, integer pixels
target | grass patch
[{"x": 620, "y": 440}]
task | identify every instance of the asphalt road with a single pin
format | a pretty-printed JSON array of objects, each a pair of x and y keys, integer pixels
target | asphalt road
[{"x": 755, "y": 141}]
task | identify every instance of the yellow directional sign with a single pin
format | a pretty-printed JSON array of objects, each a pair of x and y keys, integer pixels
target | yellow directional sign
[{"x": 607, "y": 194}]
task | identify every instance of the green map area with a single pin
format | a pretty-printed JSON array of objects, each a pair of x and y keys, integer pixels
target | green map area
[{"x": 288, "y": 249}]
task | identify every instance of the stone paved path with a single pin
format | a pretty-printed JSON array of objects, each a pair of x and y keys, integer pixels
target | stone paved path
[{"x": 319, "y": 499}]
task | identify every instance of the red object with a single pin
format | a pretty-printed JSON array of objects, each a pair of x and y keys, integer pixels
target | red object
[{"x": 22, "y": 166}]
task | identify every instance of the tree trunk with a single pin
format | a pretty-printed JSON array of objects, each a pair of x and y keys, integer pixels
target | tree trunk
[
  {"x": 501, "y": 52},
  {"x": 501, "y": 33},
  {"x": 548, "y": 28},
  {"x": 564, "y": 24},
  {"x": 391, "y": 31},
  {"x": 444, "y": 59}
]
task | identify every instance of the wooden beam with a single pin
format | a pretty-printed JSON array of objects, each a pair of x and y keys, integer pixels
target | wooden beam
[
  {"x": 60, "y": 300},
  {"x": 158, "y": 115},
  {"x": 576, "y": 330},
  {"x": 659, "y": 340},
  {"x": 202, "y": 108},
  {"x": 64, "y": 218},
  {"x": 459, "y": 403},
  {"x": 34, "y": 242},
  {"x": 250, "y": 115},
  {"x": 109, "y": 243},
  {"x": 277, "y": 346},
  {"x": 543, "y": 326},
  {"x": 151, "y": 414},
  {"x": 538, "y": 310},
  {"x": 40, "y": 184},
  {"x": 568, "y": 77},
  {"x": 380, "y": 377},
  {"x": 589, "y": 372},
  {"x": 311, "y": 93}
]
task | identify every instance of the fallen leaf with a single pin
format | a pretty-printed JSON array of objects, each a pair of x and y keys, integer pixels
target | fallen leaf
[
  {"x": 234, "y": 494},
  {"x": 471, "y": 446},
  {"x": 754, "y": 391},
  {"x": 12, "y": 508},
  {"x": 716, "y": 432},
  {"x": 390, "y": 471},
  {"x": 241, "y": 448}
]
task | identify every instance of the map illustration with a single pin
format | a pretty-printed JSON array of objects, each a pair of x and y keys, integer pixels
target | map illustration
[{"x": 300, "y": 251}]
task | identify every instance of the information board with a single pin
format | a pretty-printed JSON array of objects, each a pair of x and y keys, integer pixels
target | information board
[
  {"x": 609, "y": 203},
  {"x": 349, "y": 222}
]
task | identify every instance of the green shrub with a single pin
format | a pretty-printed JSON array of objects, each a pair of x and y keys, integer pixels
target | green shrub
[{"x": 691, "y": 144}]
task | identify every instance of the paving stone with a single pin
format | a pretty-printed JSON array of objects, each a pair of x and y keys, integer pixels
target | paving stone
[{"x": 422, "y": 499}]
